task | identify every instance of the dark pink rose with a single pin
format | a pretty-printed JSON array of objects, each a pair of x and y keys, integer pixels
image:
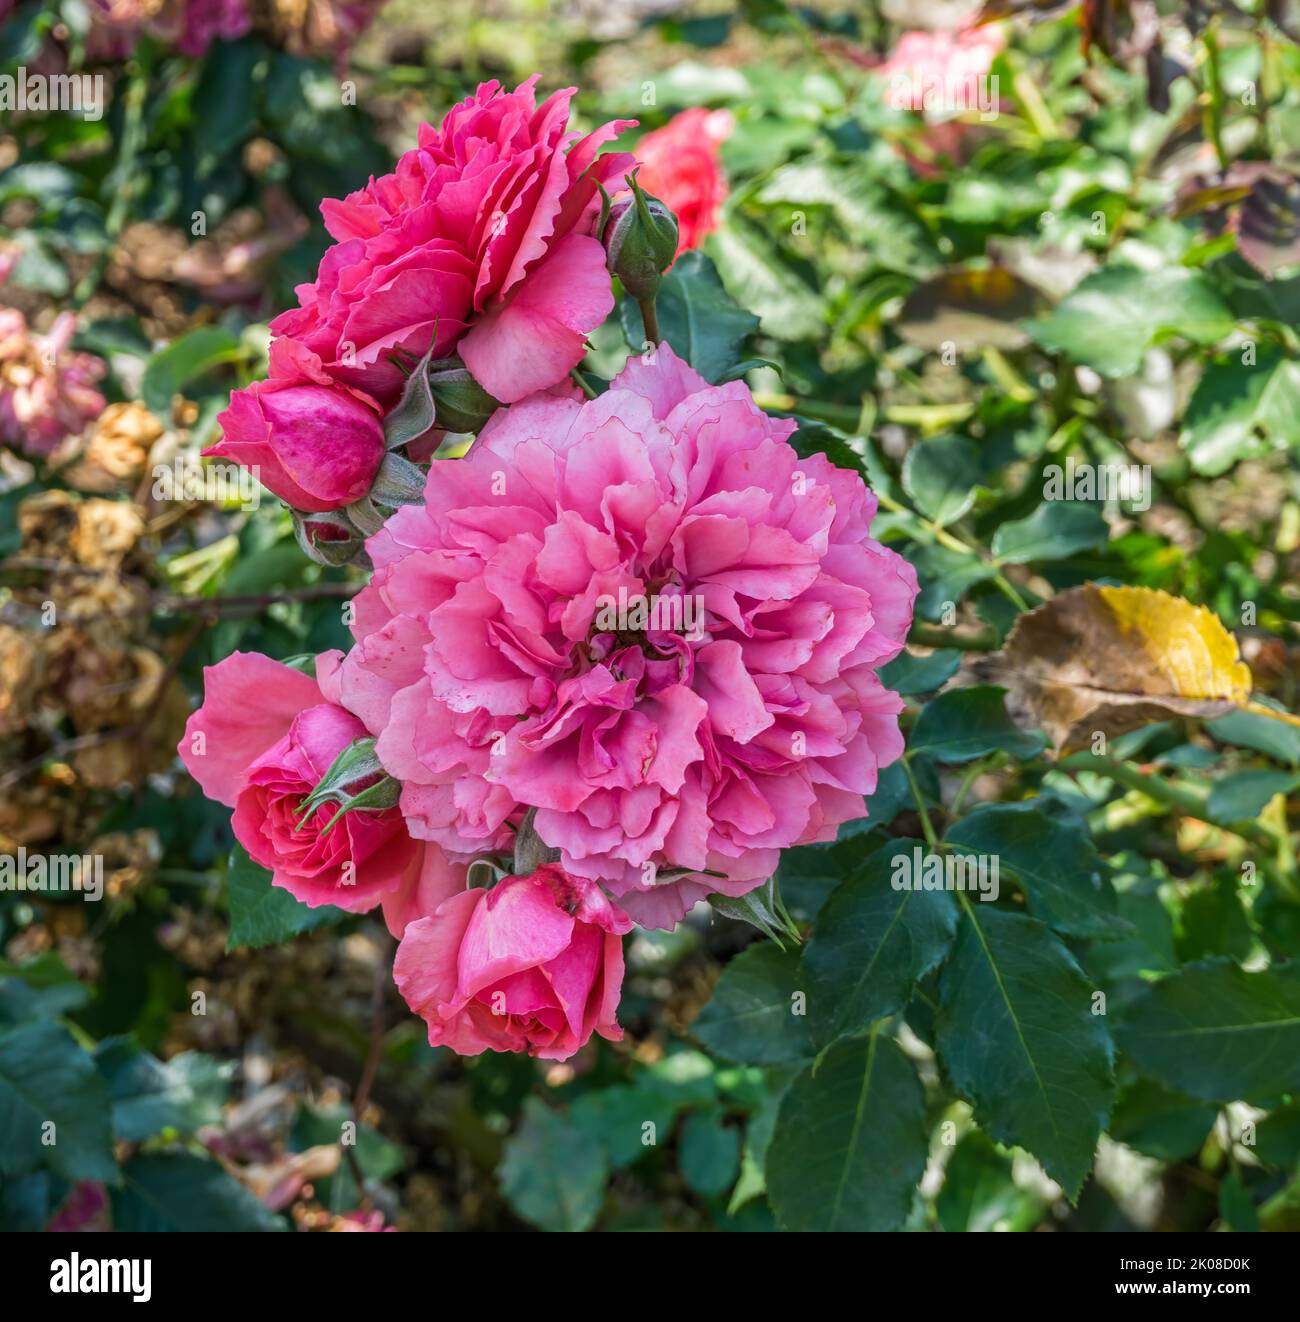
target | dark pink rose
[
  {"x": 260, "y": 743},
  {"x": 535, "y": 964},
  {"x": 479, "y": 243}
]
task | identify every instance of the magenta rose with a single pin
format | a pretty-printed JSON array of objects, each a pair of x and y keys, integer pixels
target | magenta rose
[
  {"x": 480, "y": 243},
  {"x": 315, "y": 443},
  {"x": 263, "y": 738},
  {"x": 667, "y": 757},
  {"x": 535, "y": 964}
]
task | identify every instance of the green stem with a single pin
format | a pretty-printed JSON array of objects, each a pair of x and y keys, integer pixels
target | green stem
[
  {"x": 1214, "y": 87},
  {"x": 650, "y": 318},
  {"x": 927, "y": 826},
  {"x": 583, "y": 384}
]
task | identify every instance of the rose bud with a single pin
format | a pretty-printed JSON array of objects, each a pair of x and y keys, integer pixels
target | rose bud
[
  {"x": 640, "y": 238},
  {"x": 318, "y": 447},
  {"x": 535, "y": 964}
]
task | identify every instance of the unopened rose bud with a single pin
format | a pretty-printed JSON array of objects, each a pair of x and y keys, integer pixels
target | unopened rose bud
[
  {"x": 640, "y": 238},
  {"x": 460, "y": 403}
]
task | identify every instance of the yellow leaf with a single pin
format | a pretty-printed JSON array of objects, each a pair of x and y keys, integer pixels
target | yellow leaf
[{"x": 1105, "y": 660}]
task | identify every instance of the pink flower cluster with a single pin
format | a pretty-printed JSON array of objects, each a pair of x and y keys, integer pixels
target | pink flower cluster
[
  {"x": 47, "y": 390},
  {"x": 630, "y": 642}
]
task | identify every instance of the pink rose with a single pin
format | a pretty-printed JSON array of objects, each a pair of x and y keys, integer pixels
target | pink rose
[
  {"x": 316, "y": 444},
  {"x": 535, "y": 964},
  {"x": 480, "y": 242},
  {"x": 942, "y": 73},
  {"x": 669, "y": 757},
  {"x": 680, "y": 166},
  {"x": 263, "y": 738}
]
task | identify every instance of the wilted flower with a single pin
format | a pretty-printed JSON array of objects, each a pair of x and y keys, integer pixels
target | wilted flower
[{"x": 47, "y": 391}]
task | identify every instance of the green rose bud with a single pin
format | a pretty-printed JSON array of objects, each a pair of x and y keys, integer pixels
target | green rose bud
[{"x": 640, "y": 238}]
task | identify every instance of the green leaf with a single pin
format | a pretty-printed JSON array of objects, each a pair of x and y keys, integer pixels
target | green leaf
[
  {"x": 553, "y": 1175},
  {"x": 697, "y": 316},
  {"x": 1051, "y": 851},
  {"x": 183, "y": 361},
  {"x": 978, "y": 1192},
  {"x": 47, "y": 1079},
  {"x": 1216, "y": 1032},
  {"x": 225, "y": 102},
  {"x": 850, "y": 1142},
  {"x": 618, "y": 1117},
  {"x": 1242, "y": 796},
  {"x": 262, "y": 914},
  {"x": 963, "y": 724},
  {"x": 1161, "y": 1123},
  {"x": 1235, "y": 1204},
  {"x": 908, "y": 673},
  {"x": 1275, "y": 739},
  {"x": 1056, "y": 530},
  {"x": 872, "y": 944},
  {"x": 177, "y": 1191},
  {"x": 941, "y": 475},
  {"x": 1110, "y": 319},
  {"x": 751, "y": 1017},
  {"x": 1242, "y": 412},
  {"x": 149, "y": 1096},
  {"x": 708, "y": 1153},
  {"x": 1017, "y": 1035},
  {"x": 787, "y": 306}
]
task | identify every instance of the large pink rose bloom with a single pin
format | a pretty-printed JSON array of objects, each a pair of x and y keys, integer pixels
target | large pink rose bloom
[
  {"x": 479, "y": 243},
  {"x": 680, "y": 165},
  {"x": 316, "y": 444},
  {"x": 263, "y": 738},
  {"x": 535, "y": 964},
  {"x": 486, "y": 667}
]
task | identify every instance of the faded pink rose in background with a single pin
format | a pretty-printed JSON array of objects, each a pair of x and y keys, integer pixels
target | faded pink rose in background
[
  {"x": 47, "y": 390},
  {"x": 479, "y": 243},
  {"x": 928, "y": 66},
  {"x": 535, "y": 964},
  {"x": 316, "y": 444},
  {"x": 480, "y": 667},
  {"x": 681, "y": 166},
  {"x": 269, "y": 734}
]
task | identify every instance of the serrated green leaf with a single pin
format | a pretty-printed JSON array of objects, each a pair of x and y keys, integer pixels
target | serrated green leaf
[
  {"x": 1216, "y": 1032},
  {"x": 752, "y": 1016},
  {"x": 1018, "y": 1036},
  {"x": 850, "y": 1142},
  {"x": 872, "y": 944},
  {"x": 963, "y": 724}
]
